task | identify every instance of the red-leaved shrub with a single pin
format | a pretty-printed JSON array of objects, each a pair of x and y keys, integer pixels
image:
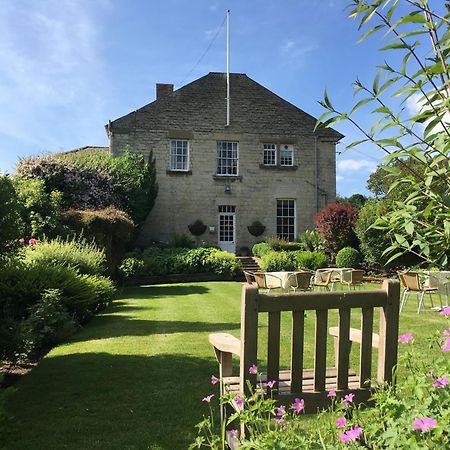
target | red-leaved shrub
[{"x": 336, "y": 225}]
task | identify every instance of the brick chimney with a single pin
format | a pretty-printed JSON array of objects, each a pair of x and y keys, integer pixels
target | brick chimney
[{"x": 163, "y": 89}]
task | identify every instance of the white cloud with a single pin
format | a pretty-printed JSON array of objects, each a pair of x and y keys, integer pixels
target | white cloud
[
  {"x": 339, "y": 178},
  {"x": 356, "y": 164},
  {"x": 295, "y": 51},
  {"x": 52, "y": 80}
]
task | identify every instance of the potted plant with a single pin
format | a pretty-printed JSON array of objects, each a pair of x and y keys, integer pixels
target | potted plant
[
  {"x": 197, "y": 228},
  {"x": 256, "y": 228}
]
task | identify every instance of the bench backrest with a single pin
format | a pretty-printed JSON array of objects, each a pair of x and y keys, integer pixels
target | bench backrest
[{"x": 254, "y": 304}]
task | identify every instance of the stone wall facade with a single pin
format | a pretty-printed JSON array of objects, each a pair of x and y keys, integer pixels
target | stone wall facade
[{"x": 185, "y": 197}]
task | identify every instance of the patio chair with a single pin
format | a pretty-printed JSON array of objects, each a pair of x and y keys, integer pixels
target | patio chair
[
  {"x": 300, "y": 281},
  {"x": 411, "y": 283},
  {"x": 267, "y": 281},
  {"x": 356, "y": 278},
  {"x": 249, "y": 277},
  {"x": 322, "y": 280}
]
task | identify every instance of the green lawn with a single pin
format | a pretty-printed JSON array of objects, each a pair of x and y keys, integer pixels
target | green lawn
[{"x": 135, "y": 376}]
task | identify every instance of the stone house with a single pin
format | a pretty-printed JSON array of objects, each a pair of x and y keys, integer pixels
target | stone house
[{"x": 267, "y": 165}]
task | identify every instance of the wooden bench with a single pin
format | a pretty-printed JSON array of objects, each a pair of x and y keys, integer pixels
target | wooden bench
[{"x": 313, "y": 385}]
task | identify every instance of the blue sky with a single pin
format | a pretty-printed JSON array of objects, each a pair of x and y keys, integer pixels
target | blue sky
[{"x": 68, "y": 66}]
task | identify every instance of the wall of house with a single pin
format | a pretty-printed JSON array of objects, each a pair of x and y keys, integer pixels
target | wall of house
[{"x": 184, "y": 198}]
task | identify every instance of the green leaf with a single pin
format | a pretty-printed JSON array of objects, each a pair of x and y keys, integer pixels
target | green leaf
[
  {"x": 355, "y": 143},
  {"x": 327, "y": 100},
  {"x": 409, "y": 228},
  {"x": 361, "y": 103},
  {"x": 368, "y": 33},
  {"x": 395, "y": 46},
  {"x": 376, "y": 82}
]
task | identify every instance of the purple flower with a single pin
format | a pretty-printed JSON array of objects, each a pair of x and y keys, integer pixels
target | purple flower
[
  {"x": 234, "y": 433},
  {"x": 207, "y": 398},
  {"x": 341, "y": 422},
  {"x": 446, "y": 332},
  {"x": 239, "y": 401},
  {"x": 445, "y": 311},
  {"x": 424, "y": 424},
  {"x": 281, "y": 411},
  {"x": 440, "y": 382},
  {"x": 446, "y": 346},
  {"x": 214, "y": 379},
  {"x": 253, "y": 369},
  {"x": 270, "y": 384},
  {"x": 298, "y": 406},
  {"x": 348, "y": 399},
  {"x": 405, "y": 338},
  {"x": 350, "y": 435},
  {"x": 278, "y": 420},
  {"x": 331, "y": 392}
]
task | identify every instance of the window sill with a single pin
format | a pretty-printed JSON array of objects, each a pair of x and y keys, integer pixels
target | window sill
[
  {"x": 178, "y": 172},
  {"x": 277, "y": 167},
  {"x": 227, "y": 177}
]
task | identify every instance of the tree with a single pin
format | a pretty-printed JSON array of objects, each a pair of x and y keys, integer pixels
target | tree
[
  {"x": 419, "y": 48},
  {"x": 355, "y": 200}
]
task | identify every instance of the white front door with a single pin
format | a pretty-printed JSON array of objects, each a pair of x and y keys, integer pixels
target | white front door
[{"x": 227, "y": 228}]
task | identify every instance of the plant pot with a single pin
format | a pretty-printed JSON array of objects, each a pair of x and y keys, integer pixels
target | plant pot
[
  {"x": 256, "y": 229},
  {"x": 197, "y": 228}
]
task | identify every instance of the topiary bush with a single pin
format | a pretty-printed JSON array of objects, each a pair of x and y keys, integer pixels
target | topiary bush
[
  {"x": 336, "y": 225},
  {"x": 311, "y": 260},
  {"x": 349, "y": 257},
  {"x": 278, "y": 261},
  {"x": 260, "y": 249}
]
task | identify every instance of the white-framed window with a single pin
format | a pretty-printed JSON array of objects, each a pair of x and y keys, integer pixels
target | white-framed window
[
  {"x": 269, "y": 154},
  {"x": 227, "y": 158},
  {"x": 286, "y": 219},
  {"x": 286, "y": 155},
  {"x": 179, "y": 155}
]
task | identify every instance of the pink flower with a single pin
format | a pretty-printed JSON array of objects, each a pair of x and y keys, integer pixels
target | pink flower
[
  {"x": 350, "y": 435},
  {"x": 207, "y": 398},
  {"x": 21, "y": 240},
  {"x": 270, "y": 384},
  {"x": 348, "y": 399},
  {"x": 331, "y": 392},
  {"x": 214, "y": 379},
  {"x": 278, "y": 420},
  {"x": 446, "y": 332},
  {"x": 446, "y": 346},
  {"x": 33, "y": 241},
  {"x": 281, "y": 411},
  {"x": 341, "y": 422},
  {"x": 234, "y": 433},
  {"x": 440, "y": 382},
  {"x": 405, "y": 338},
  {"x": 239, "y": 401},
  {"x": 445, "y": 311},
  {"x": 298, "y": 406},
  {"x": 424, "y": 424},
  {"x": 253, "y": 369}
]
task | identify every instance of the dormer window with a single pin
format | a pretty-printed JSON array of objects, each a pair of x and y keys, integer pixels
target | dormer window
[
  {"x": 179, "y": 155},
  {"x": 286, "y": 155},
  {"x": 269, "y": 154},
  {"x": 227, "y": 158}
]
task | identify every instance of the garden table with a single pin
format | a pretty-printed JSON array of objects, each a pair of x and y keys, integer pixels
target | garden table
[
  {"x": 338, "y": 274},
  {"x": 439, "y": 280},
  {"x": 278, "y": 280}
]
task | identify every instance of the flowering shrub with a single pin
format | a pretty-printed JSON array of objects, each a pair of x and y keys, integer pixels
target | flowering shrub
[{"x": 412, "y": 414}]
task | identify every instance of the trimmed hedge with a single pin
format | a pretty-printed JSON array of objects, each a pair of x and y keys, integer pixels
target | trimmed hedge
[
  {"x": 349, "y": 257},
  {"x": 281, "y": 261}
]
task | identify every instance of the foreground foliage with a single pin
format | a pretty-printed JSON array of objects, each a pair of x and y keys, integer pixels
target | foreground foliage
[{"x": 413, "y": 414}]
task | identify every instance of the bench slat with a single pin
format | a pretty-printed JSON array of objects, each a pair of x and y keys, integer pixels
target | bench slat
[
  {"x": 298, "y": 336},
  {"x": 273, "y": 346},
  {"x": 343, "y": 348},
  {"x": 320, "y": 358},
  {"x": 365, "y": 362}
]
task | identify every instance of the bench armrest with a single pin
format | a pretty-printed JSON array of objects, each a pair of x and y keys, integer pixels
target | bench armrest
[
  {"x": 225, "y": 342},
  {"x": 355, "y": 336}
]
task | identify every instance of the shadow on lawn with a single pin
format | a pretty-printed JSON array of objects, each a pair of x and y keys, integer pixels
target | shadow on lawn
[
  {"x": 104, "y": 401},
  {"x": 109, "y": 326},
  {"x": 169, "y": 290}
]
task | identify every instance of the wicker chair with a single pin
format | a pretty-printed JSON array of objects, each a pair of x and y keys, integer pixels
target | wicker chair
[{"x": 411, "y": 283}]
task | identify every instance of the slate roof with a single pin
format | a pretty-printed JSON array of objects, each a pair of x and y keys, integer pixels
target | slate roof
[{"x": 201, "y": 106}]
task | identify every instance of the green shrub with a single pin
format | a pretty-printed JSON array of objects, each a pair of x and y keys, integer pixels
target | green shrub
[
  {"x": 48, "y": 322},
  {"x": 198, "y": 259},
  {"x": 311, "y": 260},
  {"x": 277, "y": 244},
  {"x": 10, "y": 224},
  {"x": 278, "y": 261},
  {"x": 261, "y": 249},
  {"x": 131, "y": 268},
  {"x": 76, "y": 253},
  {"x": 310, "y": 241},
  {"x": 349, "y": 257},
  {"x": 224, "y": 263},
  {"x": 182, "y": 241}
]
